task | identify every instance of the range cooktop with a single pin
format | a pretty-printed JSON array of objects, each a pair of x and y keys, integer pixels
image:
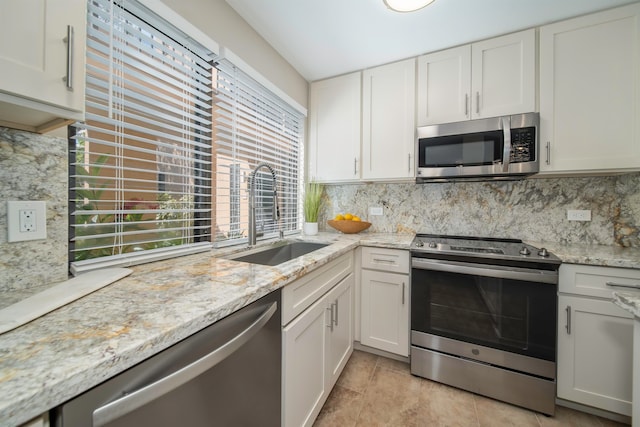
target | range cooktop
[{"x": 440, "y": 246}]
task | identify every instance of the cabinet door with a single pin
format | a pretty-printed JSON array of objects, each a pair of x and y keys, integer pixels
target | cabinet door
[
  {"x": 444, "y": 86},
  {"x": 340, "y": 344},
  {"x": 595, "y": 353},
  {"x": 334, "y": 129},
  {"x": 33, "y": 55},
  {"x": 385, "y": 311},
  {"x": 304, "y": 360},
  {"x": 590, "y": 92},
  {"x": 503, "y": 75},
  {"x": 388, "y": 121}
]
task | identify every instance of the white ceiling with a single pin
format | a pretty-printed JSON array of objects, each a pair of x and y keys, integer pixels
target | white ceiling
[{"x": 325, "y": 38}]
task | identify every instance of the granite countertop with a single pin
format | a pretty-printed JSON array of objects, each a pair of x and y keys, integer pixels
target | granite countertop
[
  {"x": 600, "y": 255},
  {"x": 62, "y": 354},
  {"x": 630, "y": 301}
]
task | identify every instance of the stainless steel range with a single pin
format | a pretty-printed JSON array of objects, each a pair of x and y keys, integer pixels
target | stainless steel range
[{"x": 483, "y": 317}]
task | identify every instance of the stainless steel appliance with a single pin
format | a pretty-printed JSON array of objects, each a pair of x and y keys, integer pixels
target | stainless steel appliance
[
  {"x": 228, "y": 374},
  {"x": 494, "y": 148},
  {"x": 483, "y": 317}
]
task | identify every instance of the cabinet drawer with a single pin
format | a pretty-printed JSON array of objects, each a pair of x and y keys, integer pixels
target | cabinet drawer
[
  {"x": 597, "y": 281},
  {"x": 392, "y": 260},
  {"x": 299, "y": 295}
]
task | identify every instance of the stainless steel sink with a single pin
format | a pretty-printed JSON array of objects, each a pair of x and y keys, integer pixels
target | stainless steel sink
[{"x": 277, "y": 253}]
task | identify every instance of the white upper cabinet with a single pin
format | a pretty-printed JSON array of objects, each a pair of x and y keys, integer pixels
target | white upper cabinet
[
  {"x": 444, "y": 86},
  {"x": 41, "y": 67},
  {"x": 334, "y": 129},
  {"x": 388, "y": 121},
  {"x": 485, "y": 79},
  {"x": 590, "y": 92}
]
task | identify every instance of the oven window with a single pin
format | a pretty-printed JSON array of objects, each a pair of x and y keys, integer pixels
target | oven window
[
  {"x": 506, "y": 314},
  {"x": 476, "y": 149}
]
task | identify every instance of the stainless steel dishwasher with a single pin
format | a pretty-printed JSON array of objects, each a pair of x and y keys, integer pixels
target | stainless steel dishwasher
[{"x": 228, "y": 374}]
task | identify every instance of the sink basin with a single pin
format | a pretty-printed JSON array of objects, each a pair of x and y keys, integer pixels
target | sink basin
[{"x": 278, "y": 253}]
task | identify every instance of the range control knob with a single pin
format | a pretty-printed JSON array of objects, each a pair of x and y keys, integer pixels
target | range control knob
[
  {"x": 543, "y": 252},
  {"x": 525, "y": 251},
  {"x": 419, "y": 243},
  {"x": 433, "y": 245}
]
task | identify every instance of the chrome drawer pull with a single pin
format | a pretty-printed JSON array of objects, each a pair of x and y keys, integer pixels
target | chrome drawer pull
[
  {"x": 622, "y": 285},
  {"x": 388, "y": 261},
  {"x": 568, "y": 325}
]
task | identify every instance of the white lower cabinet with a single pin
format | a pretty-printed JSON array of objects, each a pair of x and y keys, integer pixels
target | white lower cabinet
[
  {"x": 595, "y": 339},
  {"x": 384, "y": 303},
  {"x": 317, "y": 345},
  {"x": 41, "y": 421}
]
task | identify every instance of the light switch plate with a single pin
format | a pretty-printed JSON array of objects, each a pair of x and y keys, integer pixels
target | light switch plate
[
  {"x": 26, "y": 220},
  {"x": 579, "y": 215},
  {"x": 375, "y": 210}
]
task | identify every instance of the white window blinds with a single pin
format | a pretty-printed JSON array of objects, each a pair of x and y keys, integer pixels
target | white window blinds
[
  {"x": 140, "y": 165},
  {"x": 253, "y": 126}
]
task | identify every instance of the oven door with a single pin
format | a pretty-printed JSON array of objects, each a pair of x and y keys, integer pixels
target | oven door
[{"x": 505, "y": 308}]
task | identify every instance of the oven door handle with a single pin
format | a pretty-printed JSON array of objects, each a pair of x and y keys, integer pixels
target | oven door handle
[{"x": 498, "y": 271}]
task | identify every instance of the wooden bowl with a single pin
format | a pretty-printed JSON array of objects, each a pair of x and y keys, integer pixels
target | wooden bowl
[{"x": 349, "y": 227}]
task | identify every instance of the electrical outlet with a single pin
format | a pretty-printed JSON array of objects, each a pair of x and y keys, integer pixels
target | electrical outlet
[
  {"x": 579, "y": 215},
  {"x": 375, "y": 210},
  {"x": 26, "y": 220}
]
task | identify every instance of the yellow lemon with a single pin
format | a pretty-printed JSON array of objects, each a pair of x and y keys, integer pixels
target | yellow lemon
[
  {"x": 339, "y": 217},
  {"x": 356, "y": 218},
  {"x": 348, "y": 217}
]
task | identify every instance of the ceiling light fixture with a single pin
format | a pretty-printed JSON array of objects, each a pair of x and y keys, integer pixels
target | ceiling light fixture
[{"x": 406, "y": 5}]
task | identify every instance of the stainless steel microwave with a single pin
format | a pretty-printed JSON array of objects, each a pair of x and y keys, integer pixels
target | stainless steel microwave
[{"x": 486, "y": 149}]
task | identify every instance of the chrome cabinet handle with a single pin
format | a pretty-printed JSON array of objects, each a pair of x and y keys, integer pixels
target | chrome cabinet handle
[
  {"x": 387, "y": 261},
  {"x": 330, "y": 325},
  {"x": 403, "y": 286},
  {"x": 568, "y": 325},
  {"x": 477, "y": 102},
  {"x": 355, "y": 165},
  {"x": 68, "y": 79},
  {"x": 622, "y": 285},
  {"x": 336, "y": 321},
  {"x": 466, "y": 105},
  {"x": 140, "y": 397},
  {"x": 409, "y": 163},
  {"x": 548, "y": 152}
]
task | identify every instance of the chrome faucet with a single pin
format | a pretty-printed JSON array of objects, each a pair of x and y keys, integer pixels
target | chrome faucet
[{"x": 252, "y": 201}]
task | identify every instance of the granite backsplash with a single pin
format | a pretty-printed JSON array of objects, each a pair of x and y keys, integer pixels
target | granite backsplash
[
  {"x": 534, "y": 209},
  {"x": 34, "y": 167}
]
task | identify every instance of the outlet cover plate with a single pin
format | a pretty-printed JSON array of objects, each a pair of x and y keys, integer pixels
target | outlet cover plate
[
  {"x": 375, "y": 210},
  {"x": 579, "y": 215},
  {"x": 38, "y": 224}
]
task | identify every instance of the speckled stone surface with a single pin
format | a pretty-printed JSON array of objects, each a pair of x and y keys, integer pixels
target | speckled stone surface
[
  {"x": 630, "y": 301},
  {"x": 533, "y": 209},
  {"x": 33, "y": 167},
  {"x": 600, "y": 255},
  {"x": 64, "y": 353}
]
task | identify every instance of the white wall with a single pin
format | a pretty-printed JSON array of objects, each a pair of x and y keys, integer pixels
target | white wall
[{"x": 220, "y": 22}]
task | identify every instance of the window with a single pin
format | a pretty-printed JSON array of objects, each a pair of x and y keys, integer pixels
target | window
[
  {"x": 160, "y": 166},
  {"x": 140, "y": 166},
  {"x": 253, "y": 126}
]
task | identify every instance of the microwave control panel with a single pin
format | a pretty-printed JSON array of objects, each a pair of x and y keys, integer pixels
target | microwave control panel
[{"x": 523, "y": 145}]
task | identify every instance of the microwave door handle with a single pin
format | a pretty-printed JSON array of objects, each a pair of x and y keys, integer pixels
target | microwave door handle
[{"x": 506, "y": 155}]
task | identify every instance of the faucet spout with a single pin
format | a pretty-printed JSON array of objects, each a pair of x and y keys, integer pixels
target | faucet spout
[{"x": 252, "y": 201}]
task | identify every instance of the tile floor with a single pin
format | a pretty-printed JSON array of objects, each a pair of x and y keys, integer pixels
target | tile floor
[{"x": 376, "y": 391}]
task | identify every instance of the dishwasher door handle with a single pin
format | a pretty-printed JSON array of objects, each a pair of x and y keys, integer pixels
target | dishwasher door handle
[{"x": 130, "y": 402}]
